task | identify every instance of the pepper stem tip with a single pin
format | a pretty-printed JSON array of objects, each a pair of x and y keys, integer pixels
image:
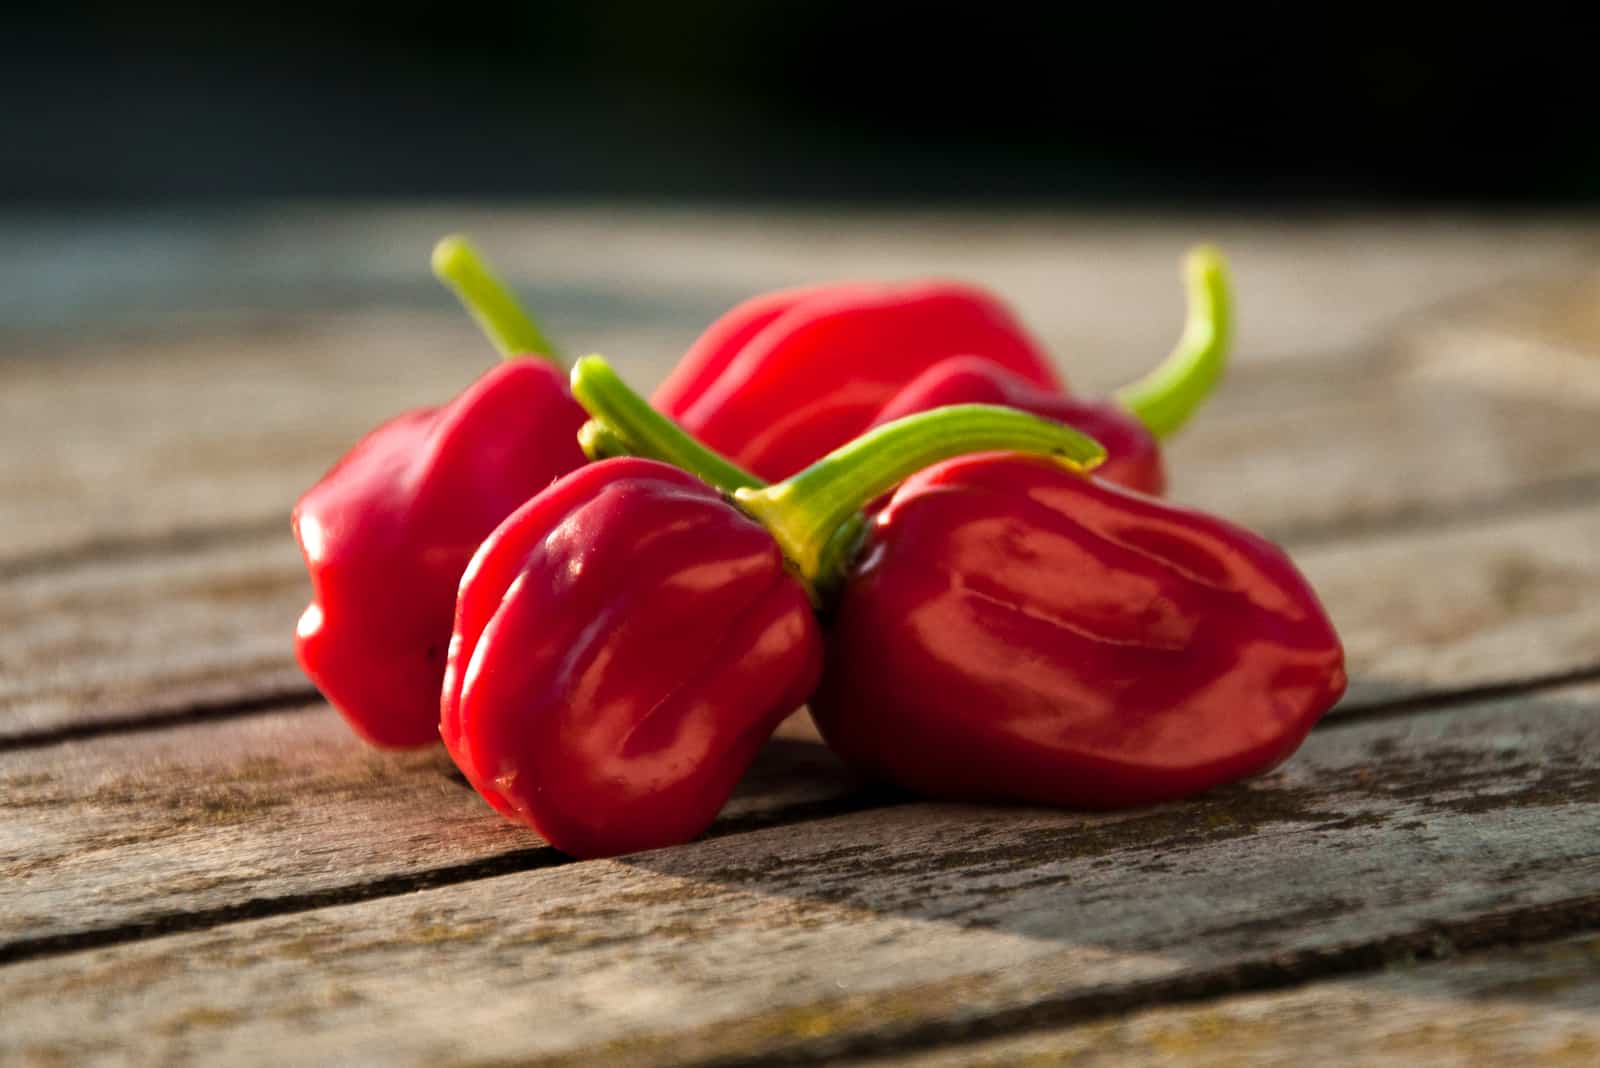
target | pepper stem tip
[
  {"x": 1166, "y": 398},
  {"x": 465, "y": 272}
]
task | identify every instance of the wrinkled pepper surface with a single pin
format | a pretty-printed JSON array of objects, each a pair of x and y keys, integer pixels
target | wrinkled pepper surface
[
  {"x": 627, "y": 640},
  {"x": 623, "y": 646},
  {"x": 1012, "y": 630},
  {"x": 388, "y": 531}
]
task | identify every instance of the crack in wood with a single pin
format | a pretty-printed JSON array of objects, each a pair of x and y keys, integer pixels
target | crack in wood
[
  {"x": 1347, "y": 713},
  {"x": 512, "y": 861},
  {"x": 1531, "y": 499},
  {"x": 518, "y": 860},
  {"x": 199, "y": 711},
  {"x": 1436, "y": 941},
  {"x": 1352, "y": 713}
]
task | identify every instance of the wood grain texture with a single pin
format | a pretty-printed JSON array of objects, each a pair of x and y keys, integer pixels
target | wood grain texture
[
  {"x": 1482, "y": 604},
  {"x": 854, "y": 932},
  {"x": 169, "y": 438},
  {"x": 1535, "y": 1005},
  {"x": 147, "y": 830},
  {"x": 1343, "y": 453},
  {"x": 1473, "y": 603},
  {"x": 141, "y": 635},
  {"x": 1551, "y": 315}
]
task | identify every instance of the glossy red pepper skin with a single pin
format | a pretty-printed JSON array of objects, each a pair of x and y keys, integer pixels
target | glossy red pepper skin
[
  {"x": 1013, "y": 631},
  {"x": 624, "y": 644},
  {"x": 1133, "y": 456},
  {"x": 388, "y": 531},
  {"x": 784, "y": 379}
]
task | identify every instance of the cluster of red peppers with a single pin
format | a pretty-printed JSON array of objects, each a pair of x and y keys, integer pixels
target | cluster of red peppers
[{"x": 968, "y": 575}]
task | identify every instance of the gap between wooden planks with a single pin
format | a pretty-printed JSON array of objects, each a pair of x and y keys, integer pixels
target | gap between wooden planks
[
  {"x": 141, "y": 834},
  {"x": 1481, "y": 826},
  {"x": 1533, "y": 1004}
]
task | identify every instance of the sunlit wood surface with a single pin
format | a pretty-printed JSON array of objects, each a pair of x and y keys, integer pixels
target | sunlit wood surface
[{"x": 198, "y": 863}]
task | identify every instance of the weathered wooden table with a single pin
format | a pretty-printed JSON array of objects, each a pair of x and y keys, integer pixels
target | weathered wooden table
[{"x": 199, "y": 863}]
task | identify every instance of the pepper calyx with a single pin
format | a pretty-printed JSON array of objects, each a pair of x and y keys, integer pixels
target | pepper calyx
[
  {"x": 624, "y": 424},
  {"x": 807, "y": 512}
]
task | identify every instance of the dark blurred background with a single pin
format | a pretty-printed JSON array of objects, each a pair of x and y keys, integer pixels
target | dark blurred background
[{"x": 982, "y": 103}]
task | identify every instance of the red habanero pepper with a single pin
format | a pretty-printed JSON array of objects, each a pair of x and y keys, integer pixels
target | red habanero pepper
[
  {"x": 627, "y": 640},
  {"x": 1013, "y": 631},
  {"x": 388, "y": 531},
  {"x": 1131, "y": 424},
  {"x": 784, "y": 378},
  {"x": 725, "y": 338},
  {"x": 624, "y": 644}
]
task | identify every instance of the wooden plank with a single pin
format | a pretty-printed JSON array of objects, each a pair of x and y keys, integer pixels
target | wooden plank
[
  {"x": 851, "y": 932},
  {"x": 144, "y": 635},
  {"x": 164, "y": 438},
  {"x": 1484, "y": 604},
  {"x": 200, "y": 420},
  {"x": 136, "y": 830},
  {"x": 147, "y": 635},
  {"x": 1553, "y": 314},
  {"x": 1351, "y": 453},
  {"x": 1553, "y": 366},
  {"x": 1533, "y": 1005}
]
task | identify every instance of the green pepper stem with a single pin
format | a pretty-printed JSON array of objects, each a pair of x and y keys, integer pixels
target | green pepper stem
[
  {"x": 600, "y": 442},
  {"x": 1164, "y": 399},
  {"x": 624, "y": 422},
  {"x": 805, "y": 512},
  {"x": 487, "y": 299},
  {"x": 834, "y": 562}
]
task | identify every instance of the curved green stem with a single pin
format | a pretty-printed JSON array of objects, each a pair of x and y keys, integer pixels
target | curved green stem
[
  {"x": 510, "y": 329},
  {"x": 627, "y": 424},
  {"x": 805, "y": 512},
  {"x": 1164, "y": 399}
]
